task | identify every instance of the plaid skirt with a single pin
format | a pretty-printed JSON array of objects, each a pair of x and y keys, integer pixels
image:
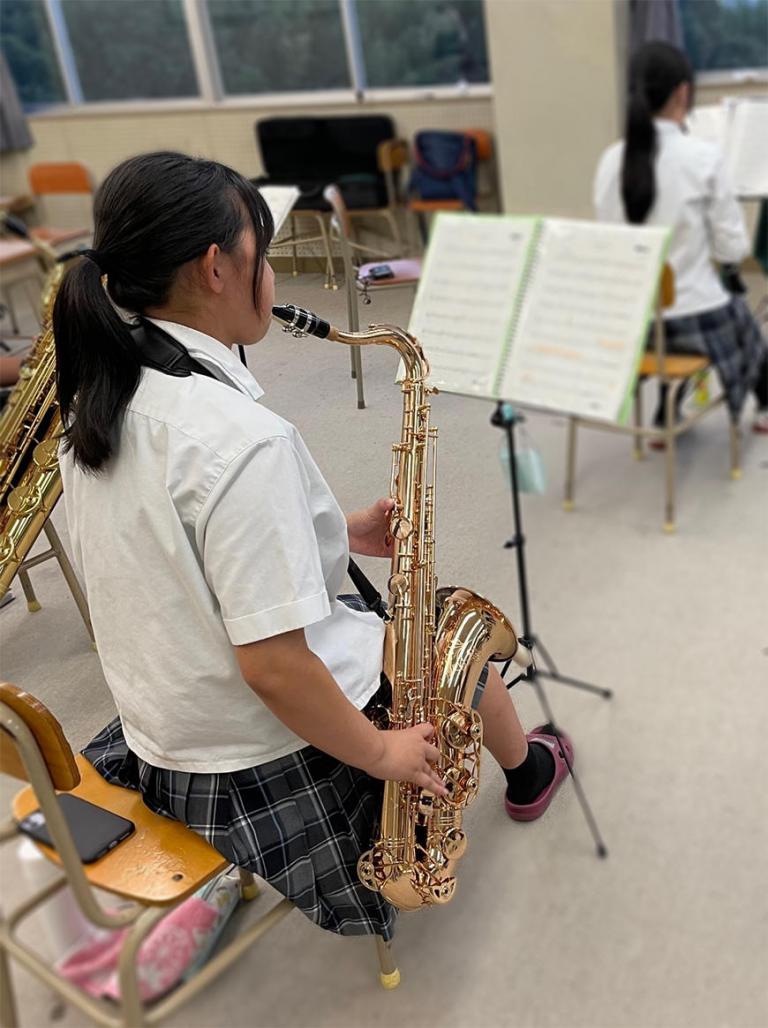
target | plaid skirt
[
  {"x": 730, "y": 337},
  {"x": 299, "y": 822}
]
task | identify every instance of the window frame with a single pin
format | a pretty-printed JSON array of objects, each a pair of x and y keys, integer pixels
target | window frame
[{"x": 211, "y": 95}]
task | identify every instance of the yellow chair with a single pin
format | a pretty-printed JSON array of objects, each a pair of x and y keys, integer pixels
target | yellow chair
[
  {"x": 156, "y": 868},
  {"x": 672, "y": 370}
]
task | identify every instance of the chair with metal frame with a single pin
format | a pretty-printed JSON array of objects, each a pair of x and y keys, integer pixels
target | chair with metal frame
[
  {"x": 60, "y": 178},
  {"x": 156, "y": 868},
  {"x": 357, "y": 280},
  {"x": 672, "y": 371}
]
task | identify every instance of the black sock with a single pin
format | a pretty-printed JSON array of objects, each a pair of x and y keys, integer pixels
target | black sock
[{"x": 529, "y": 779}]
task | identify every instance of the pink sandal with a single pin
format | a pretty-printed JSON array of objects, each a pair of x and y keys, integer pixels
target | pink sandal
[{"x": 532, "y": 811}]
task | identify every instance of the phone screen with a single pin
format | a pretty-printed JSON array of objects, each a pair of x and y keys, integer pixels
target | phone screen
[{"x": 95, "y": 831}]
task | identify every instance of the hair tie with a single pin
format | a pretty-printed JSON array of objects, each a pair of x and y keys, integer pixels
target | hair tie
[{"x": 96, "y": 257}]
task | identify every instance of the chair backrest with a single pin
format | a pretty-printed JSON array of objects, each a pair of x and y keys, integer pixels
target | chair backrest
[
  {"x": 47, "y": 732},
  {"x": 59, "y": 177},
  {"x": 332, "y": 196},
  {"x": 483, "y": 143}
]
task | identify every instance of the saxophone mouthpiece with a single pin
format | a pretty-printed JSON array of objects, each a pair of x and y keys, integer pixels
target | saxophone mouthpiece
[{"x": 301, "y": 322}]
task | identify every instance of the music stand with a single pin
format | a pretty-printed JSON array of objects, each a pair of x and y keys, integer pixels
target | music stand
[{"x": 506, "y": 417}]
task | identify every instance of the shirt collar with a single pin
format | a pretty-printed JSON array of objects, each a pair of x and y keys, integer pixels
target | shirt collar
[
  {"x": 667, "y": 126},
  {"x": 214, "y": 355}
]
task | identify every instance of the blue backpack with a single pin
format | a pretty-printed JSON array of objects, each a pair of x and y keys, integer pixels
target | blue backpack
[{"x": 445, "y": 167}]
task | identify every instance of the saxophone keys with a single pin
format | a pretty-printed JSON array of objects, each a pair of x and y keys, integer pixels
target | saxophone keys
[
  {"x": 454, "y": 844},
  {"x": 401, "y": 527},
  {"x": 442, "y": 892}
]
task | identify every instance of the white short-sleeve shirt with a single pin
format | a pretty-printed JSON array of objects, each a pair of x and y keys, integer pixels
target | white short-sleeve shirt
[
  {"x": 212, "y": 526},
  {"x": 695, "y": 199}
]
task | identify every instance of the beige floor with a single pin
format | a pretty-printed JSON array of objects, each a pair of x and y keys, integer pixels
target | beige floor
[{"x": 671, "y": 930}]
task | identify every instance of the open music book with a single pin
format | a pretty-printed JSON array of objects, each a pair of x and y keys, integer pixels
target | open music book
[
  {"x": 280, "y": 200},
  {"x": 740, "y": 129},
  {"x": 547, "y": 312}
]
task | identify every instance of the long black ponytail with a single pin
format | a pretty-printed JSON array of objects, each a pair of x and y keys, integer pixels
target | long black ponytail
[
  {"x": 655, "y": 72},
  {"x": 152, "y": 214}
]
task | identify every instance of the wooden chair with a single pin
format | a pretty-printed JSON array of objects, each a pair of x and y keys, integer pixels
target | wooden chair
[
  {"x": 672, "y": 371},
  {"x": 156, "y": 868},
  {"x": 357, "y": 281},
  {"x": 62, "y": 178}
]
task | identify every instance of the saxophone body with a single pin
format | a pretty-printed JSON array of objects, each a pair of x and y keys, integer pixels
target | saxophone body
[
  {"x": 30, "y": 429},
  {"x": 432, "y": 662}
]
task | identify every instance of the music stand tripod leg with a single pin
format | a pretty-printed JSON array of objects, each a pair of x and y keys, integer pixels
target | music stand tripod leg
[{"x": 506, "y": 417}]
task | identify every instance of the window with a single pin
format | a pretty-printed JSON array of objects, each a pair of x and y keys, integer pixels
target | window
[
  {"x": 424, "y": 43},
  {"x": 722, "y": 35},
  {"x": 27, "y": 43},
  {"x": 130, "y": 49},
  {"x": 283, "y": 47},
  {"x": 91, "y": 51}
]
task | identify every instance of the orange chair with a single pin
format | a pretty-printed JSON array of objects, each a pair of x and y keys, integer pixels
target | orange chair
[{"x": 62, "y": 178}]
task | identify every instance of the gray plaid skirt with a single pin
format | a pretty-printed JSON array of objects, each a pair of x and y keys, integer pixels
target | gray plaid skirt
[
  {"x": 299, "y": 822},
  {"x": 730, "y": 337}
]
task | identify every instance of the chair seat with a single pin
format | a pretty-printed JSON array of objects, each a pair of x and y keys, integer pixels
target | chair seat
[
  {"x": 436, "y": 205},
  {"x": 57, "y": 236},
  {"x": 14, "y": 251},
  {"x": 405, "y": 270},
  {"x": 161, "y": 863},
  {"x": 675, "y": 366}
]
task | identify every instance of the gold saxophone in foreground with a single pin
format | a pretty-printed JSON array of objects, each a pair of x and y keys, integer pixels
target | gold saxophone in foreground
[
  {"x": 433, "y": 666},
  {"x": 30, "y": 430}
]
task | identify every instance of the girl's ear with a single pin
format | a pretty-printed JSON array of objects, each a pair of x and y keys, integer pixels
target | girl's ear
[
  {"x": 210, "y": 268},
  {"x": 686, "y": 95}
]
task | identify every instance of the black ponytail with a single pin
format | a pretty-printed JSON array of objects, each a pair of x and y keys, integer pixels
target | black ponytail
[
  {"x": 152, "y": 214},
  {"x": 656, "y": 70}
]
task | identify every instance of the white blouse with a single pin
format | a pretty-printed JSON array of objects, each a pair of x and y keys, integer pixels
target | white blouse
[
  {"x": 213, "y": 526},
  {"x": 695, "y": 199}
]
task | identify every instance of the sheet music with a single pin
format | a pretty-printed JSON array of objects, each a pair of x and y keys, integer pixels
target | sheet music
[
  {"x": 746, "y": 148},
  {"x": 584, "y": 318},
  {"x": 280, "y": 200},
  {"x": 739, "y": 127},
  {"x": 466, "y": 298}
]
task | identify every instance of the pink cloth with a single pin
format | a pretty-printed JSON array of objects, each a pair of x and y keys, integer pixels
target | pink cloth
[{"x": 163, "y": 957}]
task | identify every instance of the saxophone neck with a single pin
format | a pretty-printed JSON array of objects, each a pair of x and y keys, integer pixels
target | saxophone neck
[{"x": 300, "y": 322}]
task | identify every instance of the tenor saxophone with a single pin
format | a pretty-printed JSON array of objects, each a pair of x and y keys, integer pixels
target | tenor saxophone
[
  {"x": 30, "y": 430},
  {"x": 433, "y": 663}
]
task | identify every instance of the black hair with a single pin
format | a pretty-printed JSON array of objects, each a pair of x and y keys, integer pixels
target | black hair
[
  {"x": 152, "y": 214},
  {"x": 655, "y": 72}
]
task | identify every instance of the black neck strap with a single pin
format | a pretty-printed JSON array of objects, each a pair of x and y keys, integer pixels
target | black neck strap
[{"x": 160, "y": 351}]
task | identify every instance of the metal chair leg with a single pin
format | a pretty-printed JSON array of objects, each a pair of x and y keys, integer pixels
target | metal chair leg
[
  {"x": 639, "y": 450},
  {"x": 249, "y": 888},
  {"x": 33, "y": 604},
  {"x": 69, "y": 576},
  {"x": 389, "y": 973},
  {"x": 670, "y": 440},
  {"x": 570, "y": 465},
  {"x": 330, "y": 272},
  {"x": 8, "y": 1018},
  {"x": 358, "y": 360},
  {"x": 735, "y": 449}
]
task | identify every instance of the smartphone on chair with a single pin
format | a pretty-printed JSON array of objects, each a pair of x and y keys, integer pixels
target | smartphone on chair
[{"x": 95, "y": 831}]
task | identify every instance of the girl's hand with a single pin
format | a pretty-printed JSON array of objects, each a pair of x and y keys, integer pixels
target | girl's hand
[
  {"x": 409, "y": 756},
  {"x": 368, "y": 529}
]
